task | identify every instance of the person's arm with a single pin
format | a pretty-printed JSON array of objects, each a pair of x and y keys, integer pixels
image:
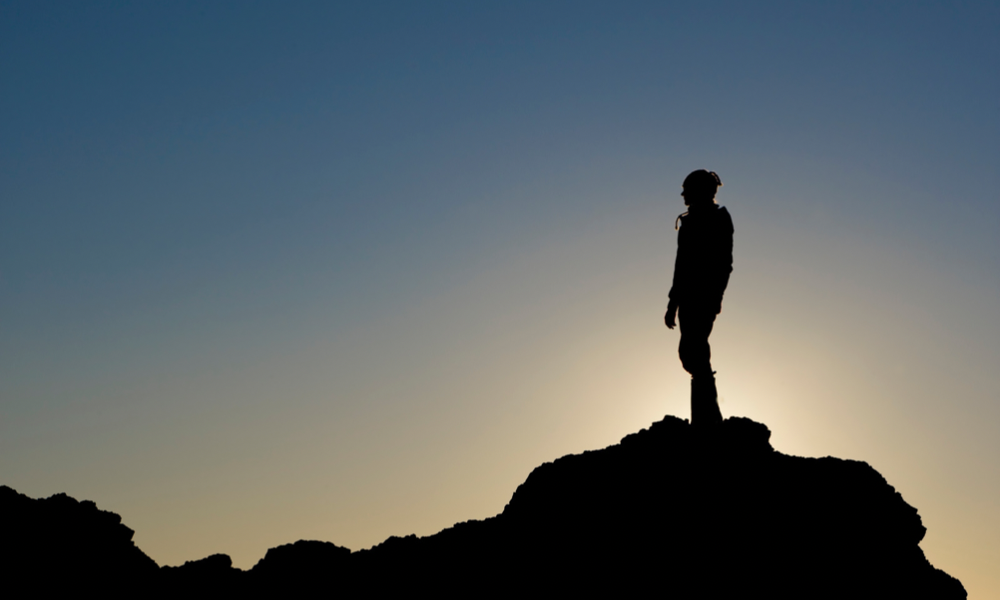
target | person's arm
[
  {"x": 670, "y": 319},
  {"x": 677, "y": 288}
]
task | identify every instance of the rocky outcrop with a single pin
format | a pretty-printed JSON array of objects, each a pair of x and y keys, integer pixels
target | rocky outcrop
[
  {"x": 58, "y": 544},
  {"x": 670, "y": 510},
  {"x": 689, "y": 514}
]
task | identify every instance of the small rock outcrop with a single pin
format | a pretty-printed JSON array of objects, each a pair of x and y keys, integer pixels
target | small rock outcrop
[{"x": 670, "y": 510}]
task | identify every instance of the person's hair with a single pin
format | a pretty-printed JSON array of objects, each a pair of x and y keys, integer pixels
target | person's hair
[{"x": 703, "y": 182}]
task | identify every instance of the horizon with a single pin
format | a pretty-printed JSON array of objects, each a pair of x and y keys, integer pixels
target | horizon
[{"x": 276, "y": 272}]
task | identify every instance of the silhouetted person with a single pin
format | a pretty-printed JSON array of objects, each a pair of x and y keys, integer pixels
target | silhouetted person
[{"x": 701, "y": 273}]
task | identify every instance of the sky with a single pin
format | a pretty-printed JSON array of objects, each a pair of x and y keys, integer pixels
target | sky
[{"x": 340, "y": 271}]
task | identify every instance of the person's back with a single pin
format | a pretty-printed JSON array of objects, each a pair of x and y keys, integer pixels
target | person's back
[
  {"x": 704, "y": 255},
  {"x": 701, "y": 274}
]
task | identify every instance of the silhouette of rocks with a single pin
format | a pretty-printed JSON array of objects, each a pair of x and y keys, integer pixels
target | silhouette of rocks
[
  {"x": 58, "y": 544},
  {"x": 301, "y": 558},
  {"x": 669, "y": 510},
  {"x": 301, "y": 567},
  {"x": 689, "y": 513},
  {"x": 210, "y": 576}
]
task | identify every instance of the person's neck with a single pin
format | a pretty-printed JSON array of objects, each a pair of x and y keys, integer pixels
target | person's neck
[{"x": 702, "y": 205}]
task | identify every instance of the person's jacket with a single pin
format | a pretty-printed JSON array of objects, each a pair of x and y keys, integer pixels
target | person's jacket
[{"x": 704, "y": 258}]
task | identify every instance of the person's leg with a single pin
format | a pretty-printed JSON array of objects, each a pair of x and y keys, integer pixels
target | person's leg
[
  {"x": 696, "y": 356},
  {"x": 704, "y": 401}
]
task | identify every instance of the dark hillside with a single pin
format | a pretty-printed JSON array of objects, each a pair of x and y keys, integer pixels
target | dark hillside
[{"x": 670, "y": 509}]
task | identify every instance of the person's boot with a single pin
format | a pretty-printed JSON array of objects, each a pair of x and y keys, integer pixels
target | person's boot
[{"x": 704, "y": 401}]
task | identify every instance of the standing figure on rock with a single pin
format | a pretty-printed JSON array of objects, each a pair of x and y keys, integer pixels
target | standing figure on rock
[{"x": 701, "y": 273}]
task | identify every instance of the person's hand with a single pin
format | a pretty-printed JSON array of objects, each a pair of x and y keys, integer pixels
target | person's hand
[{"x": 670, "y": 319}]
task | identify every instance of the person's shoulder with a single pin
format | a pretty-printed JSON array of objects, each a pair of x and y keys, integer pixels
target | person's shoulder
[{"x": 723, "y": 215}]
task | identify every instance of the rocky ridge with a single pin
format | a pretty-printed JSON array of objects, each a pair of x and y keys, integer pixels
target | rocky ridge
[{"x": 688, "y": 513}]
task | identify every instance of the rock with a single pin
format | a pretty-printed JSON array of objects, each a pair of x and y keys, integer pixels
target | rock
[
  {"x": 57, "y": 545},
  {"x": 671, "y": 510}
]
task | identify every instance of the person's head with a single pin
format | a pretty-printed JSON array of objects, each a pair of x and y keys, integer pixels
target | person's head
[{"x": 700, "y": 187}]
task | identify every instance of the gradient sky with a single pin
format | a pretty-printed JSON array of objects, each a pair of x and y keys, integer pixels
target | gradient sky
[{"x": 273, "y": 271}]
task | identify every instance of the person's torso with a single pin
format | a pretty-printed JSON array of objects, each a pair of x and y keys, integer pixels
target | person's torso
[
  {"x": 706, "y": 238},
  {"x": 705, "y": 246}
]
